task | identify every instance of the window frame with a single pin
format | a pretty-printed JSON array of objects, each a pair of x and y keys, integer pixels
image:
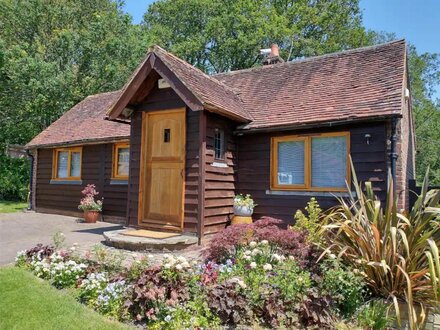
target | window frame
[
  {"x": 222, "y": 144},
  {"x": 116, "y": 147},
  {"x": 69, "y": 150},
  {"x": 307, "y": 138}
]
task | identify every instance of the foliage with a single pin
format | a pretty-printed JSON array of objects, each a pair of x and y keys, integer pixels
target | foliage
[
  {"x": 244, "y": 200},
  {"x": 315, "y": 309},
  {"x": 58, "y": 240},
  {"x": 219, "y": 36},
  {"x": 52, "y": 55},
  {"x": 14, "y": 175},
  {"x": 311, "y": 223},
  {"x": 374, "y": 315},
  {"x": 226, "y": 243},
  {"x": 88, "y": 202},
  {"x": 386, "y": 246},
  {"x": 107, "y": 260},
  {"x": 345, "y": 285}
]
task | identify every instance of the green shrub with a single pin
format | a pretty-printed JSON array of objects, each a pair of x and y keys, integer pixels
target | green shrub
[
  {"x": 311, "y": 223},
  {"x": 345, "y": 285},
  {"x": 14, "y": 178},
  {"x": 374, "y": 315}
]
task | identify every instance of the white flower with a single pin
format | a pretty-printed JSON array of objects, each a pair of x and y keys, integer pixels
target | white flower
[
  {"x": 267, "y": 267},
  {"x": 167, "y": 266},
  {"x": 253, "y": 244},
  {"x": 253, "y": 265},
  {"x": 264, "y": 242},
  {"x": 186, "y": 264},
  {"x": 181, "y": 259},
  {"x": 179, "y": 267},
  {"x": 277, "y": 257},
  {"x": 247, "y": 252},
  {"x": 150, "y": 256},
  {"x": 291, "y": 258},
  {"x": 167, "y": 318},
  {"x": 247, "y": 257},
  {"x": 332, "y": 256},
  {"x": 255, "y": 252}
]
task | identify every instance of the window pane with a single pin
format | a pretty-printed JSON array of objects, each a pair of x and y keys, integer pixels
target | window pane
[
  {"x": 63, "y": 158},
  {"x": 123, "y": 157},
  {"x": 219, "y": 143},
  {"x": 291, "y": 163},
  {"x": 329, "y": 161},
  {"x": 75, "y": 164}
]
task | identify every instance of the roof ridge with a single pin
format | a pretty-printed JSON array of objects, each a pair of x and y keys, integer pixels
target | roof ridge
[
  {"x": 210, "y": 77},
  {"x": 312, "y": 58}
]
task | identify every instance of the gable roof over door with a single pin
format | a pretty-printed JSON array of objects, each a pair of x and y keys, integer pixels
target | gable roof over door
[{"x": 198, "y": 90}]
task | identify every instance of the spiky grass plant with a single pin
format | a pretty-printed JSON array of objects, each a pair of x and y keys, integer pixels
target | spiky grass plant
[{"x": 393, "y": 250}]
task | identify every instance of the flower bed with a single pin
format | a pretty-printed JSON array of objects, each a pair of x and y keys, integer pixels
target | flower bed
[{"x": 256, "y": 274}]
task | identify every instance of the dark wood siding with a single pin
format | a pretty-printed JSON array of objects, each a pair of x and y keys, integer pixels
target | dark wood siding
[
  {"x": 220, "y": 181},
  {"x": 253, "y": 175},
  {"x": 96, "y": 168},
  {"x": 163, "y": 99}
]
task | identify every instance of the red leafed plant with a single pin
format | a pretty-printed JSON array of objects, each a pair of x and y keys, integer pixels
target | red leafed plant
[{"x": 227, "y": 242}]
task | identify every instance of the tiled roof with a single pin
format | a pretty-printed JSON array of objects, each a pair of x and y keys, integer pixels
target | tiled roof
[
  {"x": 355, "y": 84},
  {"x": 211, "y": 92},
  {"x": 83, "y": 123}
]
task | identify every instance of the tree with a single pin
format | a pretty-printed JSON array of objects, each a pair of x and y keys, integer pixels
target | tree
[
  {"x": 219, "y": 35},
  {"x": 53, "y": 53}
]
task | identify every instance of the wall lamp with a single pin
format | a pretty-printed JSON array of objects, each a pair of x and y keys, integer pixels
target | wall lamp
[{"x": 367, "y": 138}]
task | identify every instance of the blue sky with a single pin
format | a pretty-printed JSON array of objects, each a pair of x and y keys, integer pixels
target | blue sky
[{"x": 418, "y": 21}]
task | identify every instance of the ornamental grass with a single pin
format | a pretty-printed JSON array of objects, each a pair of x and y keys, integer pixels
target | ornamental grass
[{"x": 396, "y": 252}]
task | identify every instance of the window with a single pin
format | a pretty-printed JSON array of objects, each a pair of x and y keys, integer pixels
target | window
[
  {"x": 219, "y": 144},
  {"x": 121, "y": 158},
  {"x": 314, "y": 162},
  {"x": 67, "y": 164}
]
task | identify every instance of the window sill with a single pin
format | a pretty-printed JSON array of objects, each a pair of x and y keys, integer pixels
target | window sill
[
  {"x": 219, "y": 164},
  {"x": 310, "y": 193},
  {"x": 72, "y": 182},
  {"x": 118, "y": 182}
]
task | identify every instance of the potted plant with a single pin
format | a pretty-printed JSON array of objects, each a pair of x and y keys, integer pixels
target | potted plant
[
  {"x": 91, "y": 207},
  {"x": 243, "y": 205}
]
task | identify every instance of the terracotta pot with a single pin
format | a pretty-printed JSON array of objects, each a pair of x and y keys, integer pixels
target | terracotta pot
[
  {"x": 238, "y": 220},
  {"x": 91, "y": 216}
]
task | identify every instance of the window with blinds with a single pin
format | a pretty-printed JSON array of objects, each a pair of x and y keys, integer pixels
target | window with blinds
[
  {"x": 67, "y": 164},
  {"x": 313, "y": 162},
  {"x": 121, "y": 161}
]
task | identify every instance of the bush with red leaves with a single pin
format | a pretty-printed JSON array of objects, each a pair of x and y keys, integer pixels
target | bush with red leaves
[{"x": 224, "y": 245}]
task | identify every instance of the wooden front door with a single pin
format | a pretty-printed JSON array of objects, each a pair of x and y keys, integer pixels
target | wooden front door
[{"x": 162, "y": 169}]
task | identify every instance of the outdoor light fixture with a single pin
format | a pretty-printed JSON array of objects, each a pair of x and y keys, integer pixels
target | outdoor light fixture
[{"x": 367, "y": 138}]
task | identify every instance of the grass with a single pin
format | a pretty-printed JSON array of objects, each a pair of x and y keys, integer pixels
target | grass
[
  {"x": 11, "y": 207},
  {"x": 28, "y": 302}
]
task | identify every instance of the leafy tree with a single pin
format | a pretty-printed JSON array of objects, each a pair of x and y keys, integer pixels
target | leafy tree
[
  {"x": 219, "y": 35},
  {"x": 53, "y": 53}
]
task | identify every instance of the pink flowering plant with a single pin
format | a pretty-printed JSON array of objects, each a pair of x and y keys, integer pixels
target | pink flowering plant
[{"x": 88, "y": 202}]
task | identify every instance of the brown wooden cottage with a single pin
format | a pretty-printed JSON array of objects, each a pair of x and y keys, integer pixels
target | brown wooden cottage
[{"x": 174, "y": 145}]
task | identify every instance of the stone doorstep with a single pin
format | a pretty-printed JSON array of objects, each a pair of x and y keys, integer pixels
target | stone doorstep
[{"x": 115, "y": 239}]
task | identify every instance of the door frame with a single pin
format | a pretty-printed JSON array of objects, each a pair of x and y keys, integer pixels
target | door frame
[{"x": 142, "y": 171}]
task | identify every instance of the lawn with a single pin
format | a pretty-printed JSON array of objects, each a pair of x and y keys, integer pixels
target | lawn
[
  {"x": 30, "y": 303},
  {"x": 11, "y": 207}
]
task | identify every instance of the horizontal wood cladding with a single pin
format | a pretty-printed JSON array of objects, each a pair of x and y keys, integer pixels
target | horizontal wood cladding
[
  {"x": 96, "y": 168},
  {"x": 253, "y": 170},
  {"x": 163, "y": 99},
  {"x": 220, "y": 182}
]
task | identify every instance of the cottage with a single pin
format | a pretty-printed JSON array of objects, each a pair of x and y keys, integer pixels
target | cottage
[{"x": 174, "y": 145}]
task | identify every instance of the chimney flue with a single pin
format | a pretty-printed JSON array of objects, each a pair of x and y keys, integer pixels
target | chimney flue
[
  {"x": 274, "y": 50},
  {"x": 272, "y": 55}
]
